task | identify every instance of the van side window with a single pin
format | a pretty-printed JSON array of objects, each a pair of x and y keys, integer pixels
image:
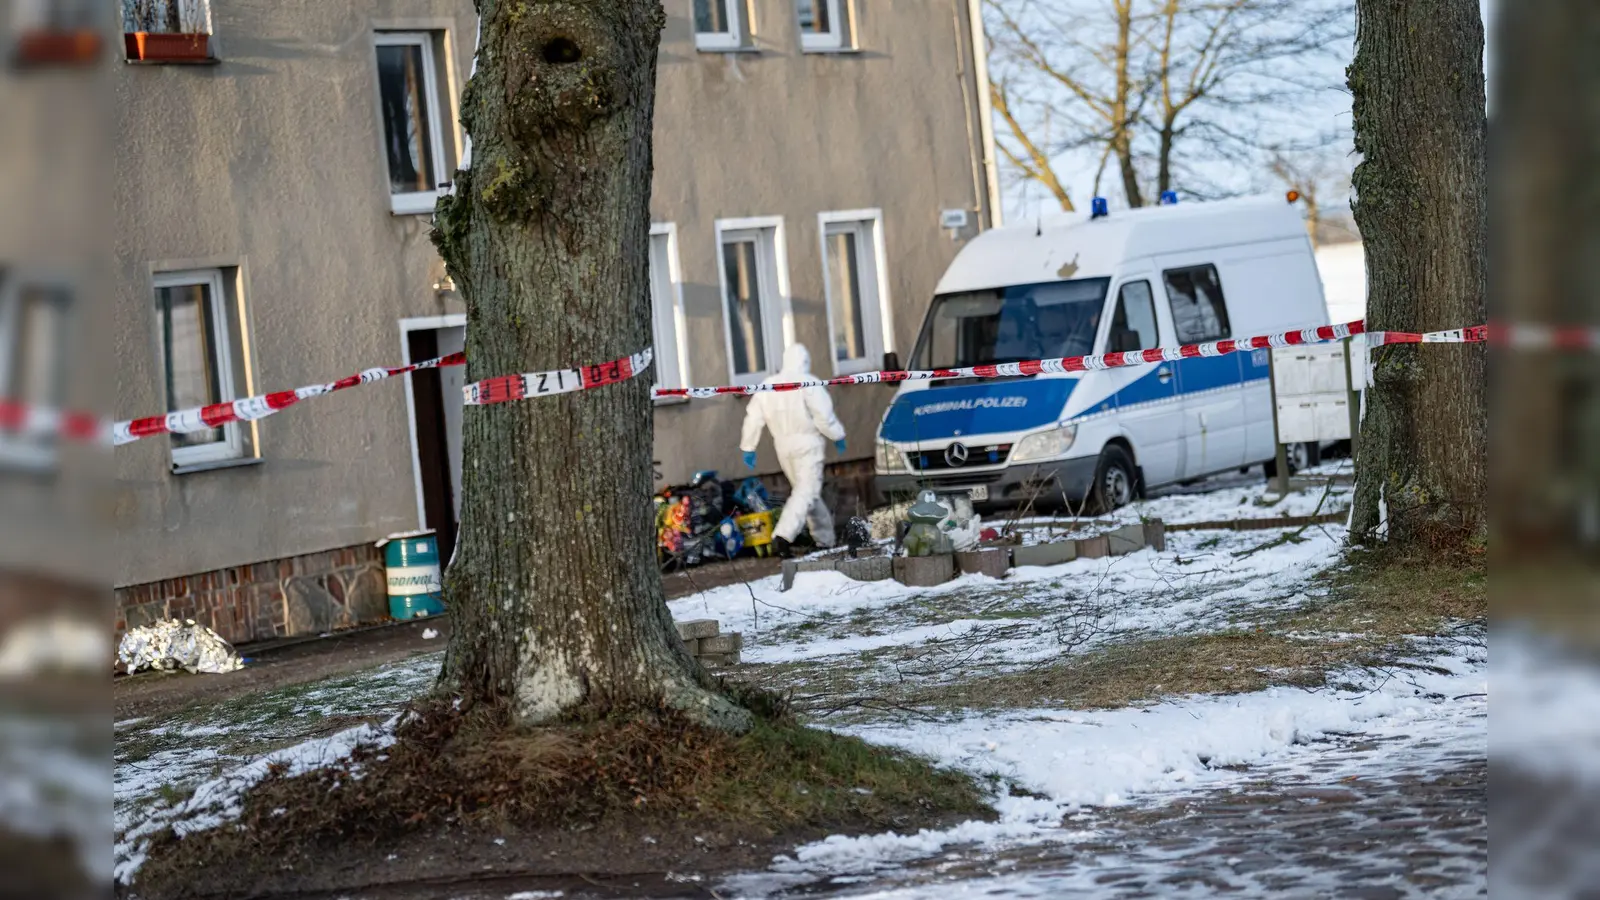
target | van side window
[
  {"x": 1133, "y": 325},
  {"x": 1198, "y": 311}
]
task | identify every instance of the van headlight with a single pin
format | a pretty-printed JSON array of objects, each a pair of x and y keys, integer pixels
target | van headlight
[
  {"x": 890, "y": 459},
  {"x": 1046, "y": 444}
]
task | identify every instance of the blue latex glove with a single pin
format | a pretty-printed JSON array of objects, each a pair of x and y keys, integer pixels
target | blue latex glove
[
  {"x": 839, "y": 445},
  {"x": 750, "y": 459}
]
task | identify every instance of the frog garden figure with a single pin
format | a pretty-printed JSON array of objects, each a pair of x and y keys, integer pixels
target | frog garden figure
[{"x": 924, "y": 537}]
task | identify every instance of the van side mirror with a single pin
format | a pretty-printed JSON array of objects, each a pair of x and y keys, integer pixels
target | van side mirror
[
  {"x": 891, "y": 363},
  {"x": 1124, "y": 340}
]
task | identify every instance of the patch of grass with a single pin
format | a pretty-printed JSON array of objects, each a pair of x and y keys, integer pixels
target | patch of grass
[
  {"x": 1554, "y": 595},
  {"x": 452, "y": 772},
  {"x": 1374, "y": 606}
]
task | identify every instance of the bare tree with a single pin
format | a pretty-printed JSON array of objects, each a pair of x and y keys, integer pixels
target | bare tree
[
  {"x": 1148, "y": 84},
  {"x": 1421, "y": 202},
  {"x": 555, "y": 598},
  {"x": 1322, "y": 179}
]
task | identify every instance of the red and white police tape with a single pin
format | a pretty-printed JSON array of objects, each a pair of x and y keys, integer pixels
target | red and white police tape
[
  {"x": 15, "y": 417},
  {"x": 201, "y": 418}
]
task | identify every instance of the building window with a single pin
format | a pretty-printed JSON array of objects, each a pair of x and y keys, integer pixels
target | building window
[
  {"x": 166, "y": 16},
  {"x": 56, "y": 32},
  {"x": 1133, "y": 325},
  {"x": 1199, "y": 313},
  {"x": 413, "y": 120},
  {"x": 666, "y": 307},
  {"x": 824, "y": 24},
  {"x": 754, "y": 305},
  {"x": 198, "y": 347},
  {"x": 167, "y": 31},
  {"x": 852, "y": 260},
  {"x": 33, "y": 322},
  {"x": 721, "y": 24}
]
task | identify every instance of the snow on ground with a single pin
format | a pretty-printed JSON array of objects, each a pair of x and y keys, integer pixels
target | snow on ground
[
  {"x": 1246, "y": 495},
  {"x": 831, "y": 634},
  {"x": 828, "y": 624},
  {"x": 1103, "y": 758},
  {"x": 192, "y": 767},
  {"x": 1550, "y": 721},
  {"x": 216, "y": 800},
  {"x": 1070, "y": 760},
  {"x": 53, "y": 781}
]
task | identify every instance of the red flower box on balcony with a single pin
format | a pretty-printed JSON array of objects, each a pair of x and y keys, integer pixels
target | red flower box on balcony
[
  {"x": 47, "y": 47},
  {"x": 154, "y": 46}
]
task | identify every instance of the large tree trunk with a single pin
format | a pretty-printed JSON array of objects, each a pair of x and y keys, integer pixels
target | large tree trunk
[
  {"x": 554, "y": 594},
  {"x": 1418, "y": 87}
]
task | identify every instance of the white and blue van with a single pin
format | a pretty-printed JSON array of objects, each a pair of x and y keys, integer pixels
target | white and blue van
[{"x": 1085, "y": 284}]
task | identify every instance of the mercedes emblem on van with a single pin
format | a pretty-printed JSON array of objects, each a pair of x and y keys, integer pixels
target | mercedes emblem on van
[{"x": 956, "y": 455}]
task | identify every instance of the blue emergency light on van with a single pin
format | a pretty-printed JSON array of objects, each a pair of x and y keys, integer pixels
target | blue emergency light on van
[{"x": 1153, "y": 277}]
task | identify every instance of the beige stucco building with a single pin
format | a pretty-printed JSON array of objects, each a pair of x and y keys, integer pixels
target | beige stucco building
[{"x": 270, "y": 207}]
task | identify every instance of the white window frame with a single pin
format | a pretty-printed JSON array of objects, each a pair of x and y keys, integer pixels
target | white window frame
[
  {"x": 769, "y": 235},
  {"x": 231, "y": 446},
  {"x": 23, "y": 450},
  {"x": 880, "y": 328},
  {"x": 671, "y": 357},
  {"x": 414, "y": 202},
  {"x": 735, "y": 39},
  {"x": 841, "y": 15}
]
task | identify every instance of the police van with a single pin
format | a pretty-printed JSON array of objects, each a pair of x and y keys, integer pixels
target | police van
[{"x": 1077, "y": 285}]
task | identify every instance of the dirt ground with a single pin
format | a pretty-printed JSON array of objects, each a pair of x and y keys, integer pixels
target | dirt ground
[{"x": 280, "y": 664}]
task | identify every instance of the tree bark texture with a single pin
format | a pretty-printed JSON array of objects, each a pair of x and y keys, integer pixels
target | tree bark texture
[
  {"x": 1418, "y": 87},
  {"x": 554, "y": 592}
]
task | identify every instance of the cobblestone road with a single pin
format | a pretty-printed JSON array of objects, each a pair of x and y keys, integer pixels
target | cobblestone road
[{"x": 1365, "y": 819}]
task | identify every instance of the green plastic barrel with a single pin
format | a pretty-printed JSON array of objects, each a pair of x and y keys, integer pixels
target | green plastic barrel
[{"x": 414, "y": 584}]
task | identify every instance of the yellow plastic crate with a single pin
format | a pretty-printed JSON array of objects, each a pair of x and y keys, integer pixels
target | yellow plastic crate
[{"x": 757, "y": 530}]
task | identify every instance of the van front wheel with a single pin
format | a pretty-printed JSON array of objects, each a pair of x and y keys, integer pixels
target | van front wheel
[{"x": 1114, "y": 479}]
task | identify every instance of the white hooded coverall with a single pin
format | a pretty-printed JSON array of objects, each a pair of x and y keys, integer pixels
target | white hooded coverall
[{"x": 799, "y": 421}]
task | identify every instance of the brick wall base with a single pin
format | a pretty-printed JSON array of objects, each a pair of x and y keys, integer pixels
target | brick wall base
[{"x": 300, "y": 595}]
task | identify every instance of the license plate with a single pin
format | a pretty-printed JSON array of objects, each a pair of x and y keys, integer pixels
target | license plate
[{"x": 980, "y": 493}]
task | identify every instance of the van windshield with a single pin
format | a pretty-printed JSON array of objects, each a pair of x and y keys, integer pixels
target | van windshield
[{"x": 1001, "y": 325}]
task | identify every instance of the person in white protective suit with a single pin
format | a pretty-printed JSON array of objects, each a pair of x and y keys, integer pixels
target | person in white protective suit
[{"x": 799, "y": 420}]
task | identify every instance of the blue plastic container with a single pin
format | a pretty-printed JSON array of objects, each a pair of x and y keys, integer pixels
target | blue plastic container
[{"x": 415, "y": 587}]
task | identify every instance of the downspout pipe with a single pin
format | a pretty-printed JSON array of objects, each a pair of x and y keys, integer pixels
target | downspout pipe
[{"x": 980, "y": 72}]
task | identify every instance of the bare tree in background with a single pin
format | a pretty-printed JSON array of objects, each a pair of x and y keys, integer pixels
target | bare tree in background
[
  {"x": 1152, "y": 86},
  {"x": 1321, "y": 176}
]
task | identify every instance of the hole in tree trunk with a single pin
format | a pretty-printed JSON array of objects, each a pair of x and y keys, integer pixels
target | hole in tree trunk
[{"x": 561, "y": 50}]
